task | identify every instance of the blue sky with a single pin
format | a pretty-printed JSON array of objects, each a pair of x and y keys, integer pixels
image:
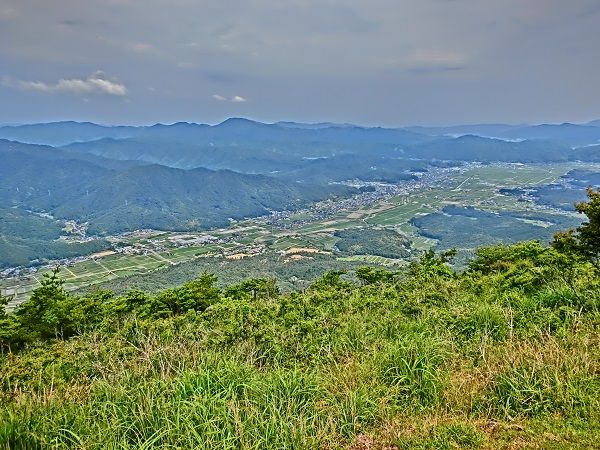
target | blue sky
[{"x": 376, "y": 62}]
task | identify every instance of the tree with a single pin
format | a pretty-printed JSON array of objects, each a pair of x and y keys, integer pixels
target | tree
[
  {"x": 433, "y": 264},
  {"x": 3, "y": 303},
  {"x": 374, "y": 275},
  {"x": 203, "y": 292},
  {"x": 331, "y": 280},
  {"x": 585, "y": 239},
  {"x": 195, "y": 295},
  {"x": 45, "y": 313},
  {"x": 253, "y": 288},
  {"x": 7, "y": 327}
]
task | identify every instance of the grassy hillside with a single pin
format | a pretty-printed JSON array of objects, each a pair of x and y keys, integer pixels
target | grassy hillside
[{"x": 503, "y": 355}]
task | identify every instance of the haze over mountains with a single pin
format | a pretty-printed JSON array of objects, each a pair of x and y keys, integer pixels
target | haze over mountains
[{"x": 188, "y": 176}]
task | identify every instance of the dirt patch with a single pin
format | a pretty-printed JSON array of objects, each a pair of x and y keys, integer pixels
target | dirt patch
[
  {"x": 237, "y": 256},
  {"x": 294, "y": 250},
  {"x": 103, "y": 254}
]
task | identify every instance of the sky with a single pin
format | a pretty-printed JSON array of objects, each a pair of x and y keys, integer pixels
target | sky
[{"x": 375, "y": 62}]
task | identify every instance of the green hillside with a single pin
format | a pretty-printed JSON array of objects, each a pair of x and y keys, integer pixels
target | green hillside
[
  {"x": 26, "y": 237},
  {"x": 115, "y": 198},
  {"x": 501, "y": 355}
]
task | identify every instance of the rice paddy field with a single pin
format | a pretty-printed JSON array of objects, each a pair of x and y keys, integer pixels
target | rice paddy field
[{"x": 475, "y": 186}]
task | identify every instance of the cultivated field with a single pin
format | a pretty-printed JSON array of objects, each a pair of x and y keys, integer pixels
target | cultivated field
[{"x": 475, "y": 186}]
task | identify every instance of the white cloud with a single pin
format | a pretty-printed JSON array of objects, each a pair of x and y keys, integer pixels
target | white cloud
[
  {"x": 97, "y": 83},
  {"x": 234, "y": 99}
]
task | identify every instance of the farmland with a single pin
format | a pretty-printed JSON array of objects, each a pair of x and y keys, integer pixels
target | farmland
[{"x": 396, "y": 208}]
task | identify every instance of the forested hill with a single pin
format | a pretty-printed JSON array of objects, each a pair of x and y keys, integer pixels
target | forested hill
[
  {"x": 504, "y": 353},
  {"x": 120, "y": 196}
]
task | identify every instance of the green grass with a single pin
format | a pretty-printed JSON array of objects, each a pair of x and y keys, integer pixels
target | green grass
[
  {"x": 370, "y": 259},
  {"x": 428, "y": 358}
]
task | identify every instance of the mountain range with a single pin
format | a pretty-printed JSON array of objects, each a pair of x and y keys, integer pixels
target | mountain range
[
  {"x": 188, "y": 176},
  {"x": 88, "y": 188}
]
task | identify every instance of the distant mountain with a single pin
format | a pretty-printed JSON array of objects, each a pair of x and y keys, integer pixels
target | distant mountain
[
  {"x": 567, "y": 133},
  {"x": 485, "y": 130},
  {"x": 240, "y": 131},
  {"x": 476, "y": 148},
  {"x": 251, "y": 147},
  {"x": 231, "y": 131},
  {"x": 41, "y": 172},
  {"x": 62, "y": 133},
  {"x": 43, "y": 178},
  {"x": 588, "y": 153},
  {"x": 348, "y": 166},
  {"x": 240, "y": 157},
  {"x": 315, "y": 126}
]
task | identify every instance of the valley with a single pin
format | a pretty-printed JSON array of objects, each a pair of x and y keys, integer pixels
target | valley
[{"x": 293, "y": 239}]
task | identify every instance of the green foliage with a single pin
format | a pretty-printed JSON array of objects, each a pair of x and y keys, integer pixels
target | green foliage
[
  {"x": 47, "y": 313},
  {"x": 532, "y": 389},
  {"x": 421, "y": 358},
  {"x": 526, "y": 265},
  {"x": 368, "y": 241},
  {"x": 254, "y": 288},
  {"x": 480, "y": 319},
  {"x": 412, "y": 368},
  {"x": 588, "y": 234},
  {"x": 374, "y": 275},
  {"x": 445, "y": 437},
  {"x": 433, "y": 264},
  {"x": 195, "y": 295},
  {"x": 585, "y": 239}
]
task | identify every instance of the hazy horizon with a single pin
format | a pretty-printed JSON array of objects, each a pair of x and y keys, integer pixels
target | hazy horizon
[{"x": 218, "y": 122}]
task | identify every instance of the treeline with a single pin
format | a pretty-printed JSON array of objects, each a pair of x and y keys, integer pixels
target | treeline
[{"x": 425, "y": 357}]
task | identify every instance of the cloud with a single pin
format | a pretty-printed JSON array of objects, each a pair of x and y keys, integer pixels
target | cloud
[
  {"x": 234, "y": 99},
  {"x": 97, "y": 83}
]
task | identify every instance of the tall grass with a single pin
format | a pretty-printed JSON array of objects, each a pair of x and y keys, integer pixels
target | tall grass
[{"x": 428, "y": 361}]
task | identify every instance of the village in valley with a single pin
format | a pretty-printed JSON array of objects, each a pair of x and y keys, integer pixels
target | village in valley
[{"x": 299, "y": 234}]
